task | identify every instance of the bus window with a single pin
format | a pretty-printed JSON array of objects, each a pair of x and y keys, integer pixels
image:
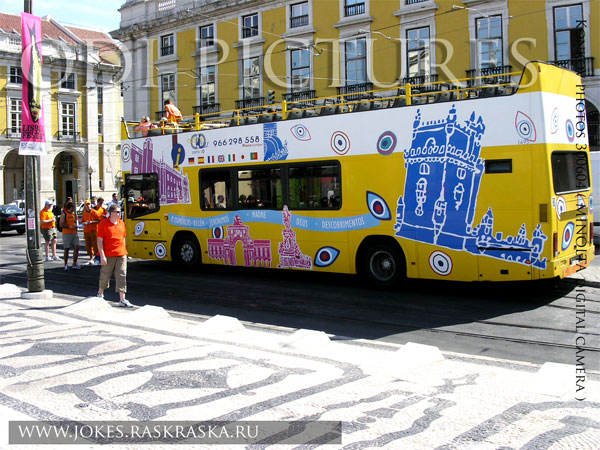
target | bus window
[
  {"x": 215, "y": 189},
  {"x": 260, "y": 188},
  {"x": 142, "y": 194},
  {"x": 314, "y": 187},
  {"x": 570, "y": 171}
]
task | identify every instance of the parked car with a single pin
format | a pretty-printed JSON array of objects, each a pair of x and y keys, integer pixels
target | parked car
[
  {"x": 18, "y": 203},
  {"x": 12, "y": 218}
]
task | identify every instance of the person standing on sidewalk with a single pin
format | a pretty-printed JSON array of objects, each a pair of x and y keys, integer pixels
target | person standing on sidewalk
[
  {"x": 113, "y": 254},
  {"x": 90, "y": 223},
  {"x": 68, "y": 222},
  {"x": 48, "y": 226}
]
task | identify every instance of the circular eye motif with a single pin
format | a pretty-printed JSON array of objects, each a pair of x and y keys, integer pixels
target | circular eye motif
[
  {"x": 561, "y": 206},
  {"x": 160, "y": 250},
  {"x": 300, "y": 132},
  {"x": 326, "y": 256},
  {"x": 570, "y": 130},
  {"x": 378, "y": 207},
  {"x": 139, "y": 228},
  {"x": 567, "y": 235},
  {"x": 440, "y": 263},
  {"x": 386, "y": 143},
  {"x": 125, "y": 153},
  {"x": 525, "y": 127},
  {"x": 340, "y": 143},
  {"x": 217, "y": 233},
  {"x": 554, "y": 121}
]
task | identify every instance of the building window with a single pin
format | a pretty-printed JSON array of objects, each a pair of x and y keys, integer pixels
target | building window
[
  {"x": 167, "y": 46},
  {"x": 15, "y": 117},
  {"x": 418, "y": 52},
  {"x": 167, "y": 86},
  {"x": 489, "y": 41},
  {"x": 100, "y": 124},
  {"x": 207, "y": 85},
  {"x": 356, "y": 61},
  {"x": 207, "y": 36},
  {"x": 16, "y": 76},
  {"x": 568, "y": 32},
  {"x": 251, "y": 81},
  {"x": 68, "y": 81},
  {"x": 353, "y": 7},
  {"x": 100, "y": 94},
  {"x": 300, "y": 64},
  {"x": 14, "y": 42},
  {"x": 67, "y": 118},
  {"x": 250, "y": 25},
  {"x": 299, "y": 15}
]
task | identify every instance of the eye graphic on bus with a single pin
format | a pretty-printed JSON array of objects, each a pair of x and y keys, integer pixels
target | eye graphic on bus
[
  {"x": 218, "y": 233},
  {"x": 554, "y": 121},
  {"x": 568, "y": 235},
  {"x": 326, "y": 256},
  {"x": 139, "y": 228},
  {"x": 440, "y": 263},
  {"x": 378, "y": 207},
  {"x": 570, "y": 130},
  {"x": 386, "y": 143},
  {"x": 160, "y": 250},
  {"x": 561, "y": 206},
  {"x": 300, "y": 132},
  {"x": 525, "y": 127},
  {"x": 340, "y": 143},
  {"x": 125, "y": 153}
]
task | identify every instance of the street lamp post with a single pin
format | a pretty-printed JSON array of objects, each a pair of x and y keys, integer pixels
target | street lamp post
[{"x": 90, "y": 171}]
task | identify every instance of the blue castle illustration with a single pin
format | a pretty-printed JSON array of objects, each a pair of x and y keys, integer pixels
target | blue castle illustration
[
  {"x": 275, "y": 150},
  {"x": 443, "y": 176}
]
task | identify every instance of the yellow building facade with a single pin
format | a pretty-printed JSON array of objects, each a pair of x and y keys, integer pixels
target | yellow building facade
[{"x": 216, "y": 56}]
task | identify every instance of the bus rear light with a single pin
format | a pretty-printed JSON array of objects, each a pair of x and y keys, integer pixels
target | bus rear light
[{"x": 555, "y": 244}]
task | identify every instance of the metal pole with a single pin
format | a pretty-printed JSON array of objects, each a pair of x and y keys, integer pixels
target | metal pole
[
  {"x": 35, "y": 265},
  {"x": 91, "y": 194}
]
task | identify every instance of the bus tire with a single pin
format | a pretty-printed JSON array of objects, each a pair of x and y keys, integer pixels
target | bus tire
[
  {"x": 186, "y": 250},
  {"x": 382, "y": 264}
]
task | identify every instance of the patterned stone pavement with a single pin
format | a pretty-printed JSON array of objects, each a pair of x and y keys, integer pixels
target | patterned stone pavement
[{"x": 89, "y": 361}]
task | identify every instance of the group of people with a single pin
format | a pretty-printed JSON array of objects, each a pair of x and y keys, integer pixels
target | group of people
[
  {"x": 172, "y": 118},
  {"x": 104, "y": 234}
]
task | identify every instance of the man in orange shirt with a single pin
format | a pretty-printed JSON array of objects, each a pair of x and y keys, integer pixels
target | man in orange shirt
[
  {"x": 113, "y": 254},
  {"x": 90, "y": 220},
  {"x": 68, "y": 223},
  {"x": 173, "y": 113},
  {"x": 48, "y": 226},
  {"x": 100, "y": 208}
]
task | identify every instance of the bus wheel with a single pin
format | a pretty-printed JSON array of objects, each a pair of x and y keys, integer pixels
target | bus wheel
[
  {"x": 186, "y": 250},
  {"x": 382, "y": 265}
]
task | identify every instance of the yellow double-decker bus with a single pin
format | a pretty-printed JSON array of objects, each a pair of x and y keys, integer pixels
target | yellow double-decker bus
[{"x": 455, "y": 181}]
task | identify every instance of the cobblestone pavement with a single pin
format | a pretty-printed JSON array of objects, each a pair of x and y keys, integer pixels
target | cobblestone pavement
[{"x": 90, "y": 361}]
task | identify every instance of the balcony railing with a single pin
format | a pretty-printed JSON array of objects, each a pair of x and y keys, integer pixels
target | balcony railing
[
  {"x": 582, "y": 66},
  {"x": 354, "y": 10},
  {"x": 423, "y": 80},
  {"x": 298, "y": 21},
  {"x": 11, "y": 134},
  {"x": 254, "y": 102},
  {"x": 68, "y": 136},
  {"x": 497, "y": 75},
  {"x": 249, "y": 32},
  {"x": 207, "y": 109},
  {"x": 359, "y": 89},
  {"x": 164, "y": 51},
  {"x": 412, "y": 2},
  {"x": 299, "y": 96}
]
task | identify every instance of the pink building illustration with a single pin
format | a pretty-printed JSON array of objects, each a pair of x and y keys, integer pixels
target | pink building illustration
[
  {"x": 256, "y": 252},
  {"x": 174, "y": 185},
  {"x": 290, "y": 254}
]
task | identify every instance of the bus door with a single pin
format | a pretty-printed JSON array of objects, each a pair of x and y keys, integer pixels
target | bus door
[
  {"x": 571, "y": 240},
  {"x": 144, "y": 225}
]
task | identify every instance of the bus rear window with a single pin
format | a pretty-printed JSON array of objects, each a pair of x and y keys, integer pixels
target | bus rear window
[{"x": 570, "y": 172}]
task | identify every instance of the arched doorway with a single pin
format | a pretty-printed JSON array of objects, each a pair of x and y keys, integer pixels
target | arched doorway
[
  {"x": 14, "y": 180},
  {"x": 69, "y": 176}
]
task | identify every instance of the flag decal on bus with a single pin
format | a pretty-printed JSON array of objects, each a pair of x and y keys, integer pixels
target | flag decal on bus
[{"x": 253, "y": 156}]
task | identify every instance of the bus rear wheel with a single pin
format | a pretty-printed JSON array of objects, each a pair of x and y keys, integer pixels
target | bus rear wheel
[
  {"x": 382, "y": 265},
  {"x": 186, "y": 251}
]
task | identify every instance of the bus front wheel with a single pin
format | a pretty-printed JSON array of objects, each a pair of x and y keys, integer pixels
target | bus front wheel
[
  {"x": 382, "y": 265},
  {"x": 186, "y": 251}
]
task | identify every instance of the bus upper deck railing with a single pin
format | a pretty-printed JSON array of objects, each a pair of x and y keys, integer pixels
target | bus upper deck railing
[{"x": 405, "y": 95}]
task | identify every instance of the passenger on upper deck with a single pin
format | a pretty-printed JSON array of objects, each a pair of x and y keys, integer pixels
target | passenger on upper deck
[
  {"x": 144, "y": 126},
  {"x": 173, "y": 113}
]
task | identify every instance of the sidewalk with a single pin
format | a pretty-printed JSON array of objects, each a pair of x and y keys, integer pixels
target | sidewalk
[{"x": 90, "y": 361}]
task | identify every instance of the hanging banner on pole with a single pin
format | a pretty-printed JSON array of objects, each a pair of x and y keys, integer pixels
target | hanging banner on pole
[{"x": 33, "y": 136}]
